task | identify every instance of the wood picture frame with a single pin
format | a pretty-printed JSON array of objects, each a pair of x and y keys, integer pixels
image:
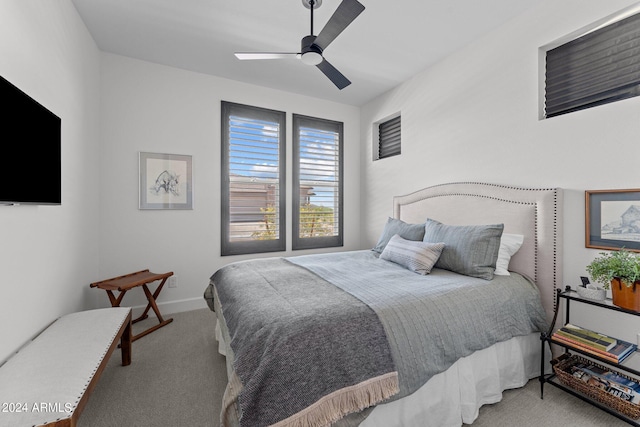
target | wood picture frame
[
  {"x": 165, "y": 181},
  {"x": 612, "y": 219}
]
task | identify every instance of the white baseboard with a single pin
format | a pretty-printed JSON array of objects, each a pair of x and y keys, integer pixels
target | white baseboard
[{"x": 170, "y": 307}]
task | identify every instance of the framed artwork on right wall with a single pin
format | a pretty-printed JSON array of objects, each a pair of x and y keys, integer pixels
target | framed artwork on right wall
[{"x": 612, "y": 219}]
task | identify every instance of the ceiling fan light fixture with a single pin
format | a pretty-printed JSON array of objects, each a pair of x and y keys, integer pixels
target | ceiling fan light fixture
[
  {"x": 311, "y": 58},
  {"x": 309, "y": 52}
]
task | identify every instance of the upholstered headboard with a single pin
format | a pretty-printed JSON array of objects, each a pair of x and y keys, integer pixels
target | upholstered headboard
[{"x": 533, "y": 212}]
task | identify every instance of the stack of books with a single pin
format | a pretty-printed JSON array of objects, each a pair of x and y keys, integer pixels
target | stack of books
[
  {"x": 606, "y": 347},
  {"x": 609, "y": 381}
]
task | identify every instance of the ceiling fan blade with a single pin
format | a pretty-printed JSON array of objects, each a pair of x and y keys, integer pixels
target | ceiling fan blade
[
  {"x": 344, "y": 15},
  {"x": 265, "y": 55},
  {"x": 334, "y": 75}
]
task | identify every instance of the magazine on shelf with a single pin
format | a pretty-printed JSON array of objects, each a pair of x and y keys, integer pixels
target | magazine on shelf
[
  {"x": 609, "y": 381},
  {"x": 617, "y": 354},
  {"x": 589, "y": 337}
]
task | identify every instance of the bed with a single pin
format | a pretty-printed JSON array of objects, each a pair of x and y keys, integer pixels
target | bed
[{"x": 416, "y": 331}]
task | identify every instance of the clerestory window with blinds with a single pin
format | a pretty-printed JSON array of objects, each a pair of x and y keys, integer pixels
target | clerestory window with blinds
[
  {"x": 317, "y": 183},
  {"x": 389, "y": 138},
  {"x": 253, "y": 179},
  {"x": 600, "y": 67}
]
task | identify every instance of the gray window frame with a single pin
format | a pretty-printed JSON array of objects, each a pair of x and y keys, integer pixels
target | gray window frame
[
  {"x": 254, "y": 246},
  {"x": 299, "y": 243}
]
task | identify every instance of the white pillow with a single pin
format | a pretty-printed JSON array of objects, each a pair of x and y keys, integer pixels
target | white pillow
[
  {"x": 414, "y": 255},
  {"x": 509, "y": 245}
]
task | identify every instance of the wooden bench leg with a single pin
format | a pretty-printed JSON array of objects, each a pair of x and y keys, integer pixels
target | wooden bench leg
[
  {"x": 125, "y": 343},
  {"x": 151, "y": 298},
  {"x": 115, "y": 302}
]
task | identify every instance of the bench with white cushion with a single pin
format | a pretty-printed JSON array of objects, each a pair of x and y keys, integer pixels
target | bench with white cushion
[{"x": 48, "y": 382}]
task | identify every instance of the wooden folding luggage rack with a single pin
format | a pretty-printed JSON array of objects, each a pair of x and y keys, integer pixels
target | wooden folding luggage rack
[{"x": 129, "y": 281}]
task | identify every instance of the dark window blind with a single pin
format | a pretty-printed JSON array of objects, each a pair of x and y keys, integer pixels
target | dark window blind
[
  {"x": 389, "y": 133},
  {"x": 597, "y": 68},
  {"x": 317, "y": 183},
  {"x": 253, "y": 179}
]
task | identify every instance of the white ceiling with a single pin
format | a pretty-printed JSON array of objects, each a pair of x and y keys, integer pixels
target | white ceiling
[{"x": 388, "y": 43}]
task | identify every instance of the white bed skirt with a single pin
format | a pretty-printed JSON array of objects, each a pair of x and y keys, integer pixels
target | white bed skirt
[{"x": 454, "y": 397}]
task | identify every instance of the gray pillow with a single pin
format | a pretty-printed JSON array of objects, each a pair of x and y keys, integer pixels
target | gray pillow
[
  {"x": 471, "y": 250},
  {"x": 396, "y": 226},
  {"x": 418, "y": 257}
]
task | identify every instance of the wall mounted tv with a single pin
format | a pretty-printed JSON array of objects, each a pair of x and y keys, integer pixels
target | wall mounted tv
[{"x": 31, "y": 150}]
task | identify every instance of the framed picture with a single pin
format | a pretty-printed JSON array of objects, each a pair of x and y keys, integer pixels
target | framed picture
[
  {"x": 165, "y": 181},
  {"x": 612, "y": 219}
]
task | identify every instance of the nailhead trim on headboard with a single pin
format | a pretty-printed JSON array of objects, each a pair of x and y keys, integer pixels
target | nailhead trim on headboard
[{"x": 500, "y": 193}]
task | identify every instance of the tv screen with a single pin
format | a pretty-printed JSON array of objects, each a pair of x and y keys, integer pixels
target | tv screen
[{"x": 31, "y": 150}]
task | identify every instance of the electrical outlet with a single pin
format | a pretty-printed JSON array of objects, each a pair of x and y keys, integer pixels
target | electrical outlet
[{"x": 173, "y": 282}]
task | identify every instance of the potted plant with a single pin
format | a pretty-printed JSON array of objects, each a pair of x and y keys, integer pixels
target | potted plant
[{"x": 620, "y": 270}]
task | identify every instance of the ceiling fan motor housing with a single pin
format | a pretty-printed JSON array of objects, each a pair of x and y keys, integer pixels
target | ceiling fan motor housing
[{"x": 311, "y": 54}]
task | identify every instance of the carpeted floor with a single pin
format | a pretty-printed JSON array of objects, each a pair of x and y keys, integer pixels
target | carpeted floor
[{"x": 177, "y": 378}]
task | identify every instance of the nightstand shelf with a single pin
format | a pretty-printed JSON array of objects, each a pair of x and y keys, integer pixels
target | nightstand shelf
[
  {"x": 629, "y": 366},
  {"x": 556, "y": 383}
]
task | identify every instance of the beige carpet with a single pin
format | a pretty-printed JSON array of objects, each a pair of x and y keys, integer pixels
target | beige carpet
[{"x": 177, "y": 378}]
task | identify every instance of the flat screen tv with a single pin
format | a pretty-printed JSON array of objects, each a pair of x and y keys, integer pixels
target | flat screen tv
[{"x": 31, "y": 150}]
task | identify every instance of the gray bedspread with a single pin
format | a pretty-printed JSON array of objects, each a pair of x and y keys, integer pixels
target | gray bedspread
[
  {"x": 432, "y": 321},
  {"x": 306, "y": 352},
  {"x": 429, "y": 321}
]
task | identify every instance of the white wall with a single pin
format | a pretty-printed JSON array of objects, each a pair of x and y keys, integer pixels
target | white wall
[
  {"x": 49, "y": 254},
  {"x": 474, "y": 117},
  {"x": 150, "y": 107}
]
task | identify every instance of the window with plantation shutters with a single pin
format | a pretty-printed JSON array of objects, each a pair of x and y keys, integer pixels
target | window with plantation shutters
[
  {"x": 253, "y": 179},
  {"x": 389, "y": 138},
  {"x": 600, "y": 67},
  {"x": 317, "y": 183}
]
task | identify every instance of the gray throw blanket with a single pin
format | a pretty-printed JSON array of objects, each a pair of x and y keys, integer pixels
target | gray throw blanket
[
  {"x": 306, "y": 352},
  {"x": 432, "y": 321}
]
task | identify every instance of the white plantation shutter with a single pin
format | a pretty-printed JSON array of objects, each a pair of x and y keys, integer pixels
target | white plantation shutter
[
  {"x": 253, "y": 179},
  {"x": 317, "y": 183}
]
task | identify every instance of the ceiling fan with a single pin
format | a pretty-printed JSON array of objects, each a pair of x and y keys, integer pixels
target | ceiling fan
[{"x": 313, "y": 46}]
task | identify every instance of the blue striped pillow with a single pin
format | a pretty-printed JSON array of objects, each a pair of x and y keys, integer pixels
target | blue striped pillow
[{"x": 415, "y": 256}]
